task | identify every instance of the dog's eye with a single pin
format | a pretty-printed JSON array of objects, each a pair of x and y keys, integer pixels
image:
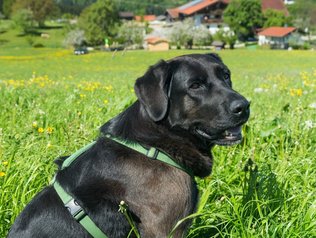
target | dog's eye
[
  {"x": 195, "y": 85},
  {"x": 226, "y": 76}
]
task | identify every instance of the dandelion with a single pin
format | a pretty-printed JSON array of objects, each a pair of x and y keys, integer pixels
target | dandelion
[
  {"x": 40, "y": 130},
  {"x": 49, "y": 130},
  {"x": 2, "y": 174},
  {"x": 296, "y": 92},
  {"x": 5, "y": 163},
  {"x": 106, "y": 101}
]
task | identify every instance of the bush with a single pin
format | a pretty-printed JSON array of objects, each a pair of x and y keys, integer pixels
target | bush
[
  {"x": 24, "y": 20},
  {"x": 74, "y": 38},
  {"x": 131, "y": 33}
]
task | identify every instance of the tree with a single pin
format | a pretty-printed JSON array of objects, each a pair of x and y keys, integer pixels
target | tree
[
  {"x": 7, "y": 7},
  {"x": 276, "y": 18},
  {"x": 243, "y": 17},
  {"x": 304, "y": 14},
  {"x": 74, "y": 38},
  {"x": 24, "y": 20},
  {"x": 131, "y": 33},
  {"x": 41, "y": 8},
  {"x": 181, "y": 33},
  {"x": 100, "y": 20},
  {"x": 201, "y": 36}
]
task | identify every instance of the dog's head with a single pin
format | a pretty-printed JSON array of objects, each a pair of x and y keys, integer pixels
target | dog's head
[{"x": 194, "y": 93}]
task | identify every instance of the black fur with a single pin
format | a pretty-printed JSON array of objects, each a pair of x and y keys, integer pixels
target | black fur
[{"x": 177, "y": 99}]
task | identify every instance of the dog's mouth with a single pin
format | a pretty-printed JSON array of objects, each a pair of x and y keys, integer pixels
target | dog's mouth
[{"x": 230, "y": 136}]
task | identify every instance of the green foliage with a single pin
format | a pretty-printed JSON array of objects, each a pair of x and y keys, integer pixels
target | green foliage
[
  {"x": 41, "y": 8},
  {"x": 7, "y": 7},
  {"x": 276, "y": 18},
  {"x": 181, "y": 33},
  {"x": 100, "y": 20},
  {"x": 74, "y": 7},
  {"x": 131, "y": 33},
  {"x": 140, "y": 7},
  {"x": 228, "y": 37},
  {"x": 24, "y": 20},
  {"x": 304, "y": 14},
  {"x": 74, "y": 38},
  {"x": 244, "y": 17}
]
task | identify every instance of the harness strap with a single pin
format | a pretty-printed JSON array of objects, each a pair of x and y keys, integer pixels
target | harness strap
[
  {"x": 78, "y": 213},
  {"x": 151, "y": 153},
  {"x": 76, "y": 210}
]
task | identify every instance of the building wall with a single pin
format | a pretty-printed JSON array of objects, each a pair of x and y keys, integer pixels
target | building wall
[{"x": 159, "y": 46}]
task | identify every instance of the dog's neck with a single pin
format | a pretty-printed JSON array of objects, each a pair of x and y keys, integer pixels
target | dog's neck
[{"x": 134, "y": 124}]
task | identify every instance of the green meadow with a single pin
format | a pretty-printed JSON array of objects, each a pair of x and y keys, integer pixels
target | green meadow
[{"x": 53, "y": 102}]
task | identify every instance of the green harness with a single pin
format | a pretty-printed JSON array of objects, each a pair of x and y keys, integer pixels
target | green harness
[{"x": 76, "y": 210}]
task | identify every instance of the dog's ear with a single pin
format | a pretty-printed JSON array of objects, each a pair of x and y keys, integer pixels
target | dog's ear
[
  {"x": 151, "y": 90},
  {"x": 215, "y": 56}
]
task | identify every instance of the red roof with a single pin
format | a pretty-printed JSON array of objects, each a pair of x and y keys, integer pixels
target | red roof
[
  {"x": 192, "y": 7},
  {"x": 155, "y": 40},
  {"x": 275, "y": 5},
  {"x": 145, "y": 18},
  {"x": 277, "y": 31}
]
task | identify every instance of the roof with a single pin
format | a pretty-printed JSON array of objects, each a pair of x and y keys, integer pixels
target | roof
[
  {"x": 145, "y": 18},
  {"x": 155, "y": 40},
  {"x": 277, "y": 31},
  {"x": 192, "y": 7},
  {"x": 275, "y": 5}
]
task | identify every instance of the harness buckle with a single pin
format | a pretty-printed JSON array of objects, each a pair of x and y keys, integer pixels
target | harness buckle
[
  {"x": 152, "y": 153},
  {"x": 75, "y": 209}
]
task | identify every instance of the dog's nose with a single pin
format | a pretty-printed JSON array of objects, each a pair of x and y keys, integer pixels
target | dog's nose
[{"x": 240, "y": 107}]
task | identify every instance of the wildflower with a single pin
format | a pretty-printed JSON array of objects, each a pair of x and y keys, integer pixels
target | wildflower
[
  {"x": 82, "y": 95},
  {"x": 5, "y": 163},
  {"x": 34, "y": 124},
  {"x": 49, "y": 130},
  {"x": 260, "y": 90},
  {"x": 109, "y": 88},
  {"x": 2, "y": 174},
  {"x": 40, "y": 130},
  {"x": 309, "y": 124},
  {"x": 106, "y": 101},
  {"x": 312, "y": 105},
  {"x": 296, "y": 92}
]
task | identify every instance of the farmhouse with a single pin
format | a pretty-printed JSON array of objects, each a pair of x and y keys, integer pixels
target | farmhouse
[
  {"x": 276, "y": 37},
  {"x": 210, "y": 12},
  {"x": 207, "y": 12}
]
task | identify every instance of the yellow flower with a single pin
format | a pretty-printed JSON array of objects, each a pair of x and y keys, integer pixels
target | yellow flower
[
  {"x": 106, "y": 101},
  {"x": 5, "y": 163},
  {"x": 82, "y": 95},
  {"x": 49, "y": 130},
  {"x": 296, "y": 92},
  {"x": 40, "y": 130},
  {"x": 2, "y": 174}
]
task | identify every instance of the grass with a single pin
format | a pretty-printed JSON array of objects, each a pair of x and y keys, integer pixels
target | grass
[{"x": 53, "y": 102}]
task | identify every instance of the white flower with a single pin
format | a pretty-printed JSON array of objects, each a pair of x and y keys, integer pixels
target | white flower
[
  {"x": 309, "y": 124},
  {"x": 313, "y": 105}
]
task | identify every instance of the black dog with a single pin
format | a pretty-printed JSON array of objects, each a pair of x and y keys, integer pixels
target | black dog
[{"x": 185, "y": 106}]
